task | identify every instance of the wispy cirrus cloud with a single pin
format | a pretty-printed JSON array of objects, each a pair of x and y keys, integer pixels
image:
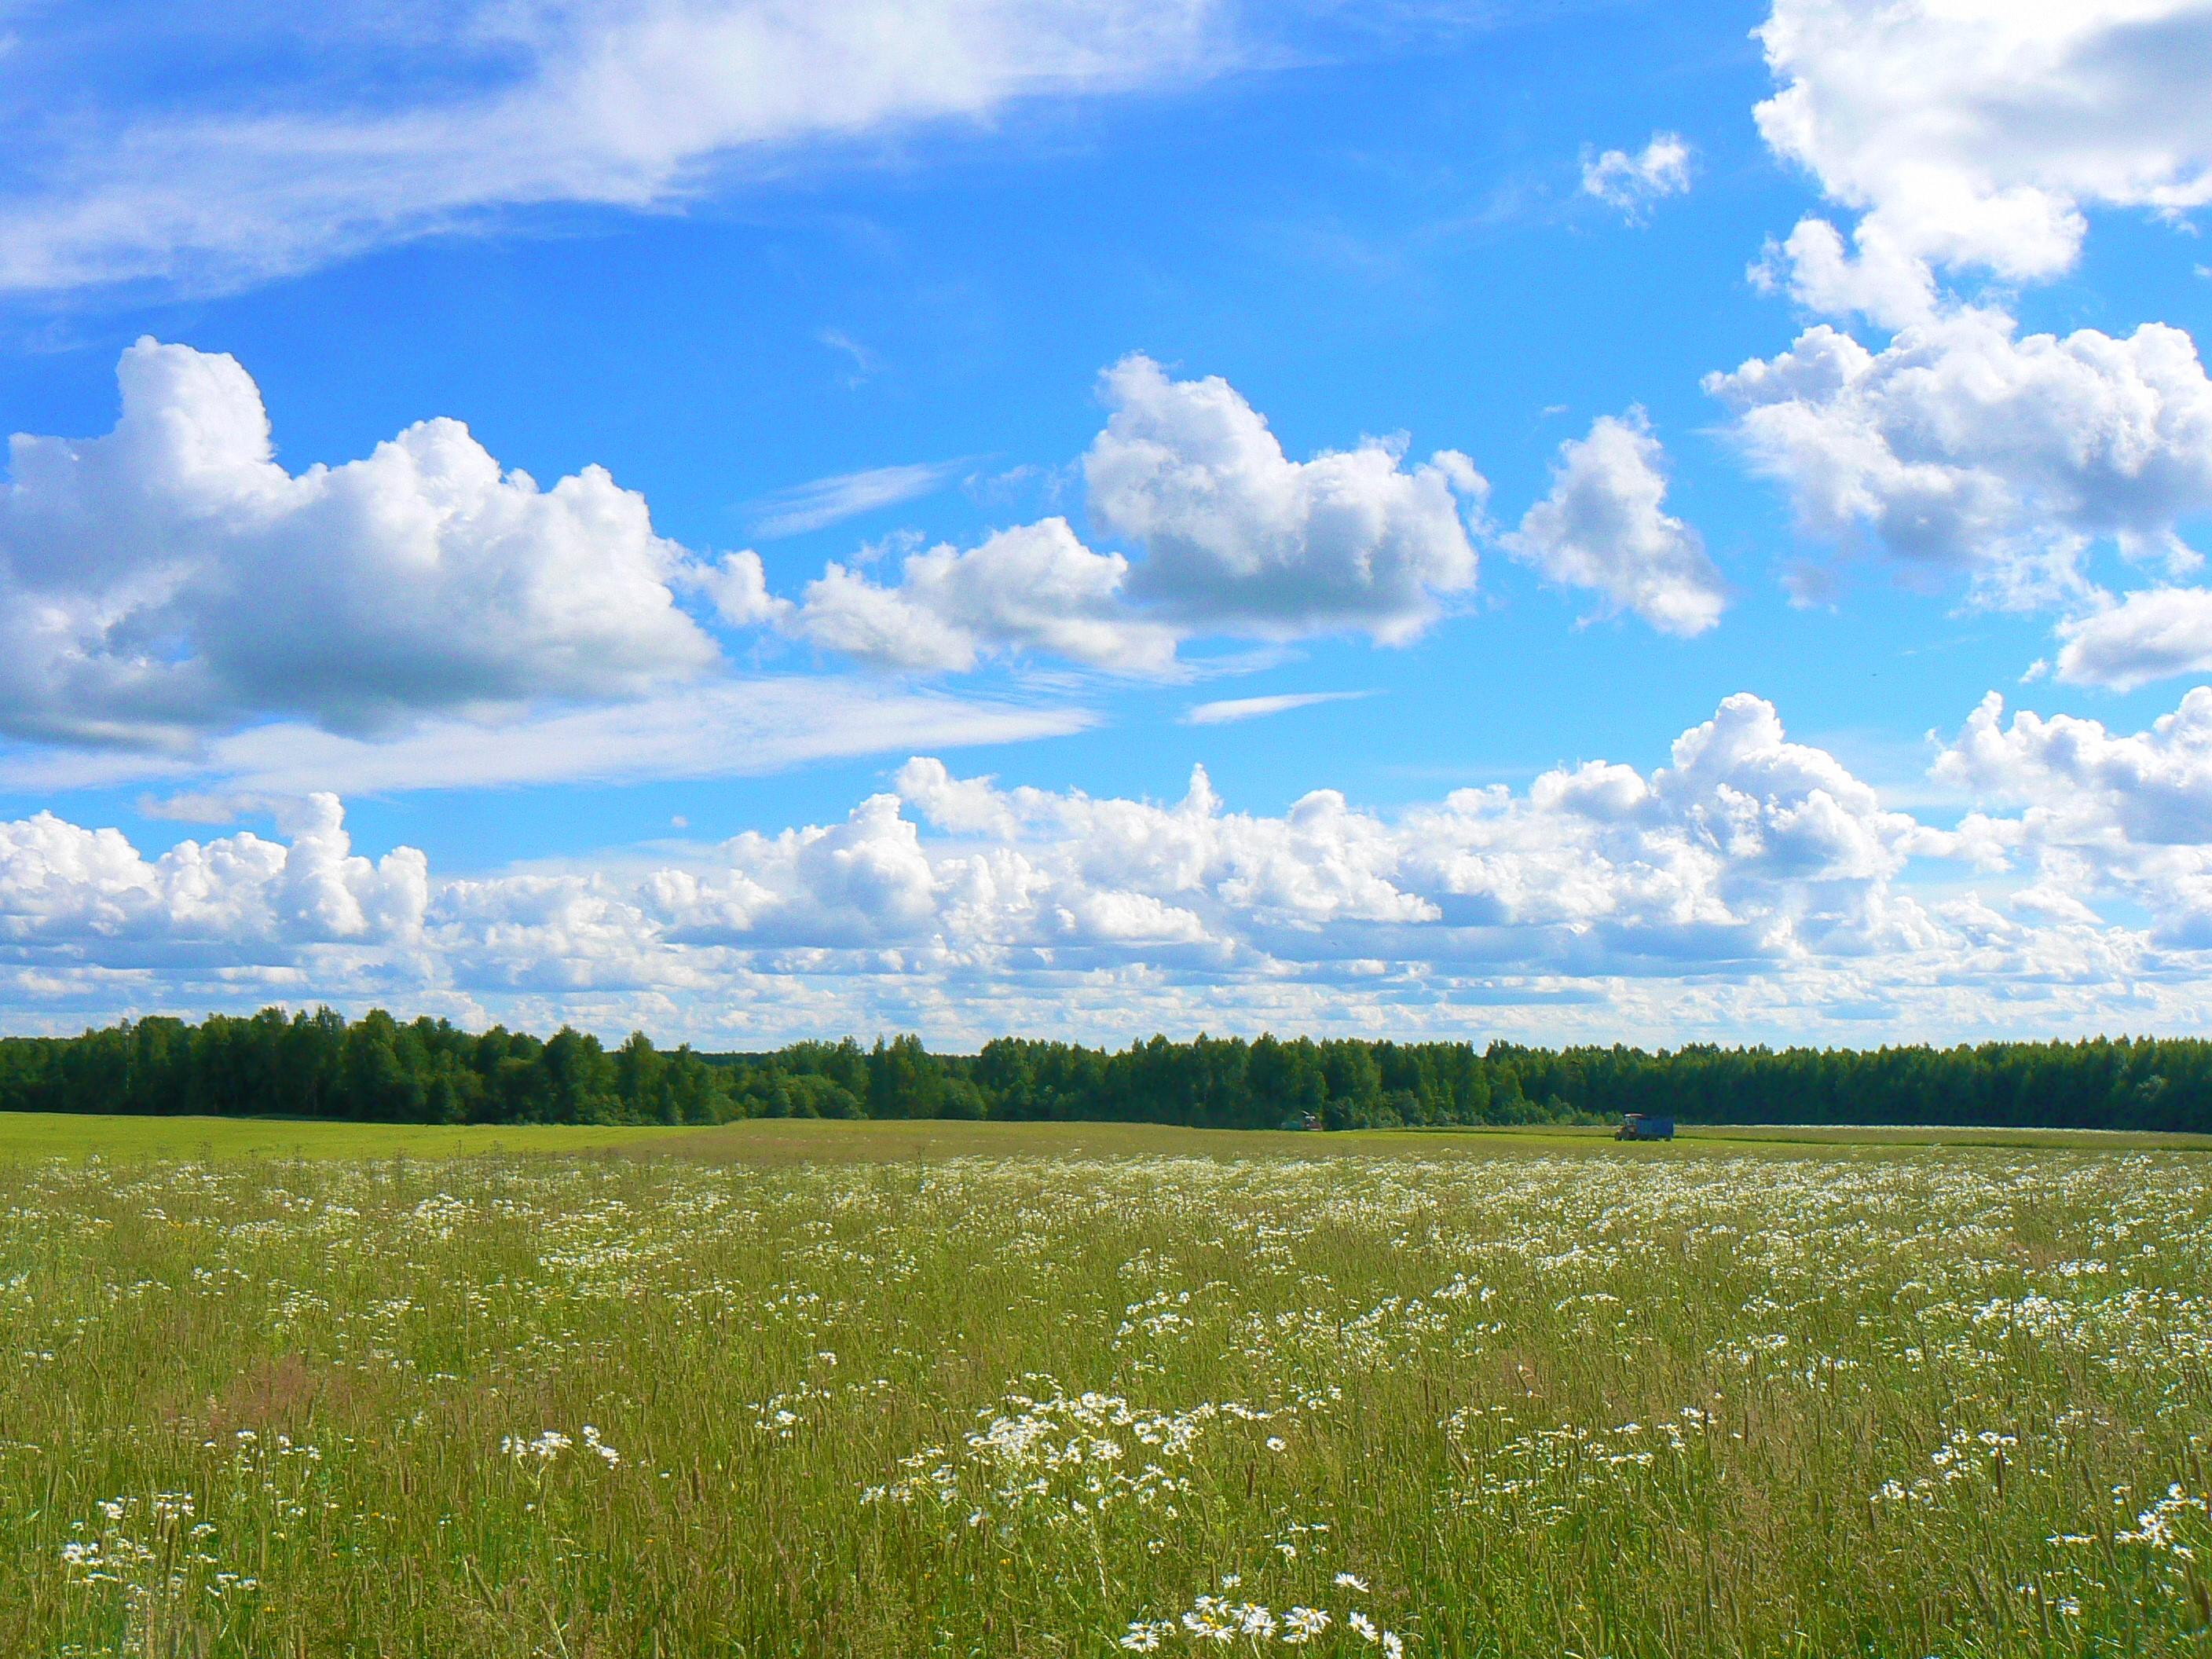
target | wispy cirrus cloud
[
  {"x": 738, "y": 727},
  {"x": 211, "y": 146},
  {"x": 1227, "y": 710},
  {"x": 823, "y": 501},
  {"x": 224, "y": 145}
]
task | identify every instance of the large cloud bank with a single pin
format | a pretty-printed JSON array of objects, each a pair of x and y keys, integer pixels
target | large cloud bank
[{"x": 1751, "y": 884}]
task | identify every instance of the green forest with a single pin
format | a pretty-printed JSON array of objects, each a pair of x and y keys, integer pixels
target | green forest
[{"x": 281, "y": 1064}]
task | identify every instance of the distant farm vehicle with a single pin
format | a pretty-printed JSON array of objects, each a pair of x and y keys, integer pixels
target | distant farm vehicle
[{"x": 1637, "y": 1126}]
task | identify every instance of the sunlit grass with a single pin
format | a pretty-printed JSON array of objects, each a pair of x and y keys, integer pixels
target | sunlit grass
[
  {"x": 775, "y": 1394},
  {"x": 64, "y": 1135},
  {"x": 61, "y": 1134}
]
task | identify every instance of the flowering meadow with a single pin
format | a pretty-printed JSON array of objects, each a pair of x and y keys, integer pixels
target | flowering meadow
[{"x": 1432, "y": 1398}]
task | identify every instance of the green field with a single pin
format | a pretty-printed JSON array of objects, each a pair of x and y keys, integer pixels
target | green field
[
  {"x": 790, "y": 1387},
  {"x": 59, "y": 1134}
]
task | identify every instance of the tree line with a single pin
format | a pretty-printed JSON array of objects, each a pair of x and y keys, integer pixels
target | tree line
[{"x": 318, "y": 1065}]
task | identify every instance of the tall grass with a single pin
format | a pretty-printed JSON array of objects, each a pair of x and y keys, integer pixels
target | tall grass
[{"x": 1942, "y": 1401}]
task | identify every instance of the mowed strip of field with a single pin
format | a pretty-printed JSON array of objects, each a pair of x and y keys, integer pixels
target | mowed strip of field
[
  {"x": 67, "y": 1135},
  {"x": 772, "y": 1140}
]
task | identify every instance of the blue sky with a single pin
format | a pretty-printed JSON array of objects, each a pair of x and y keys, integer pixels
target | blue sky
[{"x": 1570, "y": 475}]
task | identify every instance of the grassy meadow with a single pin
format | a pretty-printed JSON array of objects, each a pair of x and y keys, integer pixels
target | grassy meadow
[{"x": 797, "y": 1388}]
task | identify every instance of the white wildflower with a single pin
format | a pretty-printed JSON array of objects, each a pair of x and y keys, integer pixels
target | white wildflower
[{"x": 1302, "y": 1625}]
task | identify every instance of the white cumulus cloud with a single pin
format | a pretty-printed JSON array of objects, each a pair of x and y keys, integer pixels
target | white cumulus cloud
[
  {"x": 89, "y": 894},
  {"x": 172, "y": 577},
  {"x": 1604, "y": 526},
  {"x": 1631, "y": 184},
  {"x": 2151, "y": 635},
  {"x": 1034, "y": 588},
  {"x": 2096, "y": 815},
  {"x": 1975, "y": 133},
  {"x": 1230, "y": 537},
  {"x": 1965, "y": 446},
  {"x": 1238, "y": 538}
]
